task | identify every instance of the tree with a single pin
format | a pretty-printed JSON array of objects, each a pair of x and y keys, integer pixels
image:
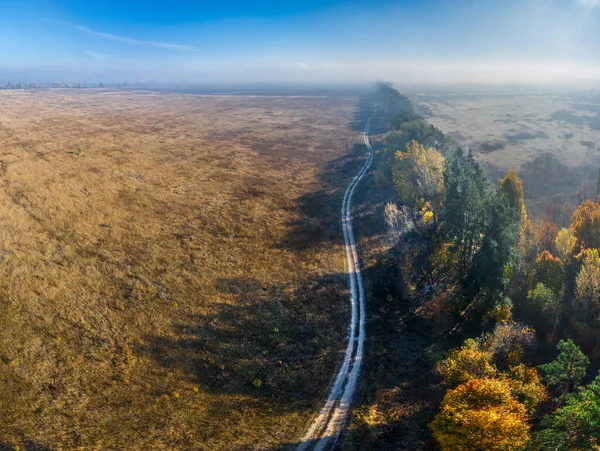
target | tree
[
  {"x": 466, "y": 363},
  {"x": 512, "y": 188},
  {"x": 463, "y": 213},
  {"x": 585, "y": 224},
  {"x": 567, "y": 371},
  {"x": 493, "y": 262},
  {"x": 576, "y": 425},
  {"x": 479, "y": 415},
  {"x": 545, "y": 307},
  {"x": 598, "y": 185},
  {"x": 546, "y": 237},
  {"x": 390, "y": 100},
  {"x": 509, "y": 343},
  {"x": 565, "y": 244},
  {"x": 418, "y": 175},
  {"x": 587, "y": 288},
  {"x": 548, "y": 271},
  {"x": 418, "y": 130},
  {"x": 526, "y": 386}
]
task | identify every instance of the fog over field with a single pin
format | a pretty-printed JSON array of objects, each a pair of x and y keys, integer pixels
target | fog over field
[{"x": 551, "y": 137}]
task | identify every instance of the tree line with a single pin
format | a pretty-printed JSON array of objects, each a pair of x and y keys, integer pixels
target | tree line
[{"x": 522, "y": 296}]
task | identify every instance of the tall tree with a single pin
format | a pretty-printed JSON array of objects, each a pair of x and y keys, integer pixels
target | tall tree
[
  {"x": 512, "y": 188},
  {"x": 493, "y": 260},
  {"x": 463, "y": 213}
]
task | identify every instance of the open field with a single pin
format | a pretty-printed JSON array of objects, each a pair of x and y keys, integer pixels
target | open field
[
  {"x": 552, "y": 139},
  {"x": 172, "y": 270}
]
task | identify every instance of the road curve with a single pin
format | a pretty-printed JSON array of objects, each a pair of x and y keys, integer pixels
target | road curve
[{"x": 327, "y": 426}]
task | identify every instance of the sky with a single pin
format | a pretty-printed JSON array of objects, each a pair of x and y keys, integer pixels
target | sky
[{"x": 320, "y": 41}]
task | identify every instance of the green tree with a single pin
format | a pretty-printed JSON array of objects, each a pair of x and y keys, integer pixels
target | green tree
[
  {"x": 493, "y": 260},
  {"x": 576, "y": 425},
  {"x": 463, "y": 213},
  {"x": 567, "y": 371},
  {"x": 545, "y": 308},
  {"x": 390, "y": 100}
]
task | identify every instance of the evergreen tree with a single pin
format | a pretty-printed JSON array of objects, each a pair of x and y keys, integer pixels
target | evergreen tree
[
  {"x": 463, "y": 213},
  {"x": 567, "y": 371},
  {"x": 576, "y": 425}
]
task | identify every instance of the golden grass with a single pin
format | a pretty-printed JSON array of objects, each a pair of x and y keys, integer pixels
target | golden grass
[{"x": 152, "y": 292}]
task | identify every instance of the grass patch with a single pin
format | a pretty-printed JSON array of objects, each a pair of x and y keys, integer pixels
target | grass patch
[{"x": 151, "y": 295}]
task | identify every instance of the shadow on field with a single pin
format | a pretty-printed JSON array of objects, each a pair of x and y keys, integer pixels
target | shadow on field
[
  {"x": 27, "y": 445},
  {"x": 320, "y": 211},
  {"x": 272, "y": 343}
]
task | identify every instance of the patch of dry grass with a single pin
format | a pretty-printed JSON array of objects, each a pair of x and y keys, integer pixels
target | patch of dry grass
[{"x": 151, "y": 293}]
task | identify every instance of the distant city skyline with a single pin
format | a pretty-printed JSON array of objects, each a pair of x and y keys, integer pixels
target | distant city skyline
[{"x": 427, "y": 41}]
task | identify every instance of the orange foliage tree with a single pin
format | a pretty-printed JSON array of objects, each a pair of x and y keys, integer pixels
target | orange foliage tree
[
  {"x": 546, "y": 236},
  {"x": 585, "y": 224}
]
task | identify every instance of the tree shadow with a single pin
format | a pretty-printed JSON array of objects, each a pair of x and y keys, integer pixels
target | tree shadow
[
  {"x": 26, "y": 445},
  {"x": 319, "y": 211},
  {"x": 273, "y": 343}
]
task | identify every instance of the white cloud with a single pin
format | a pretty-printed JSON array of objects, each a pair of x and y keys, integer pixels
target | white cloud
[
  {"x": 590, "y": 2},
  {"x": 134, "y": 41}
]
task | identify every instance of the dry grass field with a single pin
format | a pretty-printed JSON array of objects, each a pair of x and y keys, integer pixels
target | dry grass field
[
  {"x": 552, "y": 139},
  {"x": 171, "y": 267}
]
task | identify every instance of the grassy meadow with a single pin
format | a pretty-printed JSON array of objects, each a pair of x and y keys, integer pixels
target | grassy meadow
[{"x": 172, "y": 273}]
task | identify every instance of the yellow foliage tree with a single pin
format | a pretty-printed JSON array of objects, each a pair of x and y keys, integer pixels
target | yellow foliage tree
[
  {"x": 526, "y": 386},
  {"x": 481, "y": 415},
  {"x": 512, "y": 188},
  {"x": 466, "y": 363},
  {"x": 565, "y": 243},
  {"x": 418, "y": 175}
]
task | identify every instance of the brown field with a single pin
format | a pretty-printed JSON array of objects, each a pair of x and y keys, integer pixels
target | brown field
[
  {"x": 171, "y": 267},
  {"x": 552, "y": 139}
]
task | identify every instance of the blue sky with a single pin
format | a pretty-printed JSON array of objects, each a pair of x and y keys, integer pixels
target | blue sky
[{"x": 322, "y": 41}]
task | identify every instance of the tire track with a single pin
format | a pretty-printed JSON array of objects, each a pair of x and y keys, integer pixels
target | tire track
[{"x": 327, "y": 426}]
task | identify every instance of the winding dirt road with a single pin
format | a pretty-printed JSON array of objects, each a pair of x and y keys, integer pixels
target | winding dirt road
[{"x": 325, "y": 430}]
